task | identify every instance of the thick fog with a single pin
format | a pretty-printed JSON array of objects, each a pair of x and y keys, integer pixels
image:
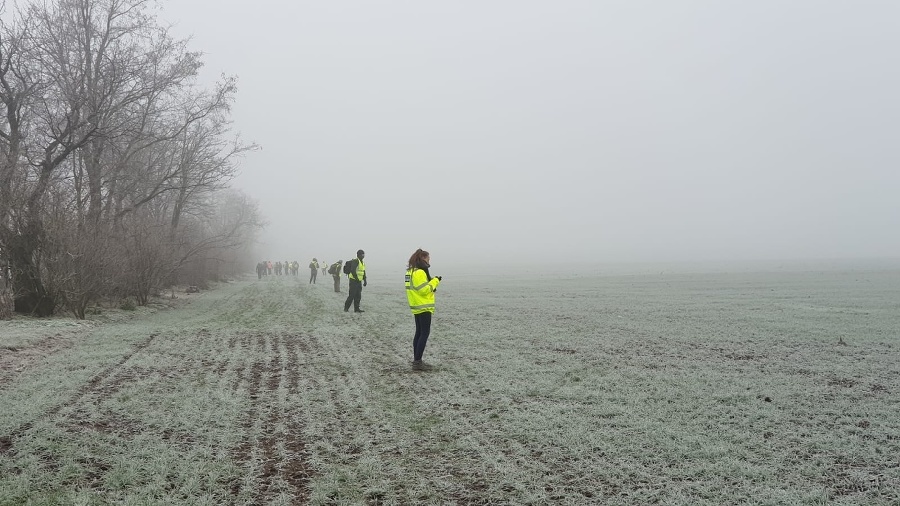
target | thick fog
[{"x": 535, "y": 131}]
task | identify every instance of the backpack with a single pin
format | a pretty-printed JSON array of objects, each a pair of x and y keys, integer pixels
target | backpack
[
  {"x": 347, "y": 268},
  {"x": 332, "y": 269}
]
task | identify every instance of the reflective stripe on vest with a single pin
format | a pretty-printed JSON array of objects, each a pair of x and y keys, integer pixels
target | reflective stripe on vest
[{"x": 420, "y": 296}]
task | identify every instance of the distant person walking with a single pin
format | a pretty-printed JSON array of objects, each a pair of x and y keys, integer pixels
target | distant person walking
[
  {"x": 335, "y": 271},
  {"x": 324, "y": 267},
  {"x": 420, "y": 288},
  {"x": 313, "y": 271},
  {"x": 356, "y": 274}
]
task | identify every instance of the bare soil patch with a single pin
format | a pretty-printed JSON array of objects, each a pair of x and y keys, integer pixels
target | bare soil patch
[{"x": 16, "y": 359}]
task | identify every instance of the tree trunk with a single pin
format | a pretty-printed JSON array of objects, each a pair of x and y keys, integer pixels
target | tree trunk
[
  {"x": 30, "y": 295},
  {"x": 94, "y": 173}
]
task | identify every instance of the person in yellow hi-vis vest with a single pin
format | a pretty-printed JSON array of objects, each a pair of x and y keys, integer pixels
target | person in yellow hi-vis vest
[
  {"x": 420, "y": 288},
  {"x": 356, "y": 273}
]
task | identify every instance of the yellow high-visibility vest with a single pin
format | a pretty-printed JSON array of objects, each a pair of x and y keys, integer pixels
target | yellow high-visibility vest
[
  {"x": 420, "y": 291},
  {"x": 360, "y": 271}
]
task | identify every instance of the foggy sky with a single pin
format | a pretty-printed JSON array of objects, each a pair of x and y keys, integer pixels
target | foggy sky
[{"x": 563, "y": 131}]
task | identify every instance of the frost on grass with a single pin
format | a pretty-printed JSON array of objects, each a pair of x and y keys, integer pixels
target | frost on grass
[{"x": 703, "y": 389}]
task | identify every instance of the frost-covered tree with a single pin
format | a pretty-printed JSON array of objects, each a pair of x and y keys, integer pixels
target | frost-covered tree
[{"x": 105, "y": 142}]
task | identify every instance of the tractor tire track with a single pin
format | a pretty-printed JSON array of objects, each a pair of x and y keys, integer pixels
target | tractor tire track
[
  {"x": 242, "y": 454},
  {"x": 296, "y": 471},
  {"x": 273, "y": 436},
  {"x": 266, "y": 446},
  {"x": 7, "y": 443}
]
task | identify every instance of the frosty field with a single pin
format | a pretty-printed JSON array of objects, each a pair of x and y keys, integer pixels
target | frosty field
[{"x": 745, "y": 388}]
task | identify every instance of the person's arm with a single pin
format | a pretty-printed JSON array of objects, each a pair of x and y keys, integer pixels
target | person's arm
[{"x": 421, "y": 284}]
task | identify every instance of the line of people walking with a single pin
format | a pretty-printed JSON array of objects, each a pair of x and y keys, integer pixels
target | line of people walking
[{"x": 267, "y": 268}]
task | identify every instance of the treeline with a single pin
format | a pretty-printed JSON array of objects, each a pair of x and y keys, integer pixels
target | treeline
[{"x": 114, "y": 164}]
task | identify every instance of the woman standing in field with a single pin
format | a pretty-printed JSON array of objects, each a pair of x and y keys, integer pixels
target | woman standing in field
[{"x": 420, "y": 288}]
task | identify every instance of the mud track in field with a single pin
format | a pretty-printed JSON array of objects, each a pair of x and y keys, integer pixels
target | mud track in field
[
  {"x": 94, "y": 385},
  {"x": 274, "y": 434}
]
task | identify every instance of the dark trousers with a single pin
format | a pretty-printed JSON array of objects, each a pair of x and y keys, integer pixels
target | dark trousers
[
  {"x": 423, "y": 328},
  {"x": 355, "y": 295},
  {"x": 312, "y": 275},
  {"x": 337, "y": 283}
]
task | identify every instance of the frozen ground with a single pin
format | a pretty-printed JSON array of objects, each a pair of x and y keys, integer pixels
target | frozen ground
[{"x": 670, "y": 388}]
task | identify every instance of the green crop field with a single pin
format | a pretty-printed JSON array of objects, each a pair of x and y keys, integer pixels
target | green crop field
[{"x": 653, "y": 389}]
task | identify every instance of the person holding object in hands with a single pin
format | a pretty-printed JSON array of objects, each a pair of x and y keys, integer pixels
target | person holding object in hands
[{"x": 420, "y": 288}]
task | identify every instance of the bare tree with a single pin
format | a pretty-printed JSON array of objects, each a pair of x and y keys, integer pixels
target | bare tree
[
  {"x": 146, "y": 256},
  {"x": 75, "y": 260},
  {"x": 131, "y": 66},
  {"x": 187, "y": 155},
  {"x": 105, "y": 140},
  {"x": 232, "y": 223},
  {"x": 40, "y": 130}
]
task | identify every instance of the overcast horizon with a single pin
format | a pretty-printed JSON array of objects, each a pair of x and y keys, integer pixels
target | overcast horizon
[{"x": 564, "y": 131}]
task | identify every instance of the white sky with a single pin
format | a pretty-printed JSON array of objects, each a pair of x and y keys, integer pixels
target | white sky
[{"x": 564, "y": 131}]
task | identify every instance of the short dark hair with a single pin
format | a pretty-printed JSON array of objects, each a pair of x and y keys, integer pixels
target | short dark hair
[{"x": 360, "y": 252}]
